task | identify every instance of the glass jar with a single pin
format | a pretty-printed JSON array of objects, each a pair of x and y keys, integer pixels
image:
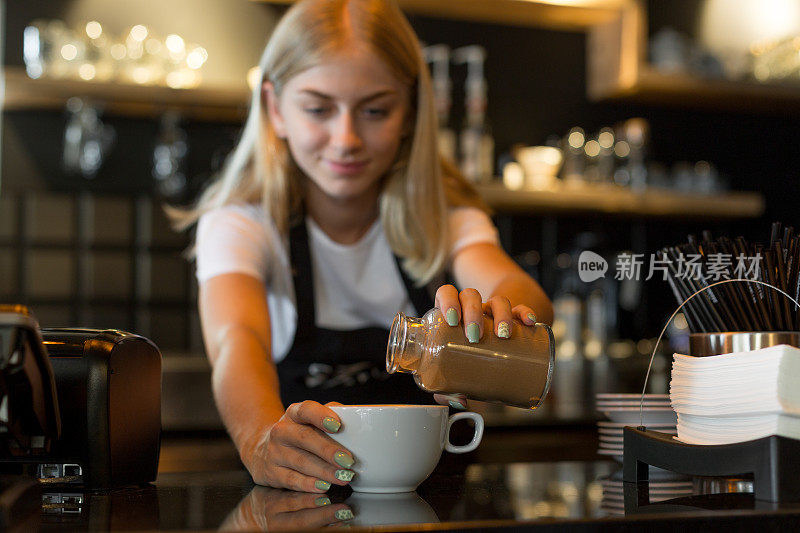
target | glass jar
[{"x": 514, "y": 371}]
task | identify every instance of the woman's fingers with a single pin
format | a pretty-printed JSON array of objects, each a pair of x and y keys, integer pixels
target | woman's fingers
[
  {"x": 500, "y": 309},
  {"x": 270, "y": 509},
  {"x": 456, "y": 401},
  {"x": 524, "y": 314},
  {"x": 314, "y": 414},
  {"x": 448, "y": 303},
  {"x": 321, "y": 472},
  {"x": 321, "y": 515},
  {"x": 301, "y": 434},
  {"x": 472, "y": 313}
]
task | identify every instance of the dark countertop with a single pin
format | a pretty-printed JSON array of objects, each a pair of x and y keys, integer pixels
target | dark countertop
[{"x": 539, "y": 479}]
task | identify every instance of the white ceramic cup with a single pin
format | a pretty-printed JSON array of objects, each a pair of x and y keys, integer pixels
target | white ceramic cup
[{"x": 396, "y": 447}]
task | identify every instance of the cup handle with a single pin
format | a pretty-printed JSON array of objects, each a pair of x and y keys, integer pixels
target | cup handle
[{"x": 476, "y": 438}]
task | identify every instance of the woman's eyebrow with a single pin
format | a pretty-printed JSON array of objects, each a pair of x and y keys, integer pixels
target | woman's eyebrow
[{"x": 367, "y": 98}]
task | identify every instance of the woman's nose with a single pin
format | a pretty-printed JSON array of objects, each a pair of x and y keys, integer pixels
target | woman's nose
[{"x": 345, "y": 136}]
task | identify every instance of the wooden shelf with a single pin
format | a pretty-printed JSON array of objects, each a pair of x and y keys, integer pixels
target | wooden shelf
[
  {"x": 617, "y": 68},
  {"x": 227, "y": 103},
  {"x": 613, "y": 200},
  {"x": 579, "y": 16}
]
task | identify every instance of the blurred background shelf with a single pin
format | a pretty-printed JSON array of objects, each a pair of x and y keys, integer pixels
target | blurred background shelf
[
  {"x": 578, "y": 15},
  {"x": 618, "y": 69},
  {"x": 613, "y": 200},
  {"x": 212, "y": 103}
]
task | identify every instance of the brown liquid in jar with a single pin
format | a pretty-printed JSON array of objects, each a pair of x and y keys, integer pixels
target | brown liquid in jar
[{"x": 493, "y": 369}]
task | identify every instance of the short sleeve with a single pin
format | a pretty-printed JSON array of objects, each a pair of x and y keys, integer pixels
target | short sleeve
[
  {"x": 233, "y": 239},
  {"x": 470, "y": 225}
]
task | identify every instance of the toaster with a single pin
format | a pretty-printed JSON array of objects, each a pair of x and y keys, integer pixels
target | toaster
[
  {"x": 109, "y": 395},
  {"x": 108, "y": 386}
]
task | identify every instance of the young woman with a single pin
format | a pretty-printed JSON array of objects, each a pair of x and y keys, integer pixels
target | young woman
[{"x": 334, "y": 212}]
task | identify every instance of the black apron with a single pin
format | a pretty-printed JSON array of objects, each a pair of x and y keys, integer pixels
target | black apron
[{"x": 344, "y": 366}]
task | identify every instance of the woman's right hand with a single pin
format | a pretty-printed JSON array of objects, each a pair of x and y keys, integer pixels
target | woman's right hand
[{"x": 296, "y": 453}]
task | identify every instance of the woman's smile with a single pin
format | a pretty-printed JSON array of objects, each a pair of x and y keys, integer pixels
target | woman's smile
[{"x": 347, "y": 168}]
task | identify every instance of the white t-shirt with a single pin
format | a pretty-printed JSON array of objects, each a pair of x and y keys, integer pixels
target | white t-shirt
[{"x": 355, "y": 285}]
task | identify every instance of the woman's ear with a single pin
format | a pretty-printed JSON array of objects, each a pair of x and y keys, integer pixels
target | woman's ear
[{"x": 270, "y": 100}]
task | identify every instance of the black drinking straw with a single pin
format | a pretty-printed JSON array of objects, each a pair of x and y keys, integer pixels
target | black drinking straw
[
  {"x": 740, "y": 322},
  {"x": 769, "y": 277},
  {"x": 761, "y": 292},
  {"x": 683, "y": 293},
  {"x": 736, "y": 292},
  {"x": 782, "y": 284},
  {"x": 724, "y": 317},
  {"x": 755, "y": 289},
  {"x": 743, "y": 293},
  {"x": 707, "y": 299},
  {"x": 691, "y": 318},
  {"x": 775, "y": 231}
]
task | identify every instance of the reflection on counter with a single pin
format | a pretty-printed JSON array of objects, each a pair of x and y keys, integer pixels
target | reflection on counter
[
  {"x": 499, "y": 495},
  {"x": 528, "y": 491}
]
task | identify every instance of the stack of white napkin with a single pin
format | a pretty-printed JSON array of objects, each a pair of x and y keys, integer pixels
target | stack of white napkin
[{"x": 737, "y": 397}]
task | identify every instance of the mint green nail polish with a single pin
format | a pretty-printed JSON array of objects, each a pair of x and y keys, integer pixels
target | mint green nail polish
[
  {"x": 322, "y": 485},
  {"x": 503, "y": 330},
  {"x": 532, "y": 317},
  {"x": 344, "y": 459},
  {"x": 344, "y": 514},
  {"x": 457, "y": 405},
  {"x": 331, "y": 424},
  {"x": 322, "y": 501},
  {"x": 452, "y": 317},
  {"x": 473, "y": 332},
  {"x": 344, "y": 475}
]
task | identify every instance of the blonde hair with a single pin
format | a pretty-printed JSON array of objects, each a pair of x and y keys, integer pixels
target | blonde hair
[{"x": 417, "y": 189}]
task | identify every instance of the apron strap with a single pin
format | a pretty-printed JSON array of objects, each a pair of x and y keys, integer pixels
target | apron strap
[
  {"x": 303, "y": 279},
  {"x": 421, "y": 297}
]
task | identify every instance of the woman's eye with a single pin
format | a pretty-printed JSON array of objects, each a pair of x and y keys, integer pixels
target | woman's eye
[
  {"x": 376, "y": 112},
  {"x": 315, "y": 110}
]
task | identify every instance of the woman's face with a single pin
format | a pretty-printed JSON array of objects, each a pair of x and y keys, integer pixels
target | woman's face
[{"x": 343, "y": 121}]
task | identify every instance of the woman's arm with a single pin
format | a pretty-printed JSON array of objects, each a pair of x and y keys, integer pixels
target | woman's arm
[
  {"x": 487, "y": 274},
  {"x": 280, "y": 449},
  {"x": 487, "y": 268}
]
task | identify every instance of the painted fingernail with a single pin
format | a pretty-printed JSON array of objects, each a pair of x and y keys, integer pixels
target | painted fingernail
[
  {"x": 452, "y": 317},
  {"x": 331, "y": 424},
  {"x": 503, "y": 330},
  {"x": 344, "y": 475},
  {"x": 322, "y": 485},
  {"x": 455, "y": 404},
  {"x": 532, "y": 317},
  {"x": 473, "y": 332},
  {"x": 344, "y": 514},
  {"x": 322, "y": 502},
  {"x": 344, "y": 459}
]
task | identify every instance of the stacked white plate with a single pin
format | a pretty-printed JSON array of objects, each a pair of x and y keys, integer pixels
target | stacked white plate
[{"x": 655, "y": 413}]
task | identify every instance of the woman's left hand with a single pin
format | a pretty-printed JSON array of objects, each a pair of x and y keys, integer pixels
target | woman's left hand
[{"x": 467, "y": 308}]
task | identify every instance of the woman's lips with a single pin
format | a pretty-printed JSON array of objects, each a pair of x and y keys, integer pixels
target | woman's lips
[{"x": 347, "y": 167}]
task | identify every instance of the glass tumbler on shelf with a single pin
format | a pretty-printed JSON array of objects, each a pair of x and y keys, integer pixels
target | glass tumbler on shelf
[{"x": 515, "y": 371}]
